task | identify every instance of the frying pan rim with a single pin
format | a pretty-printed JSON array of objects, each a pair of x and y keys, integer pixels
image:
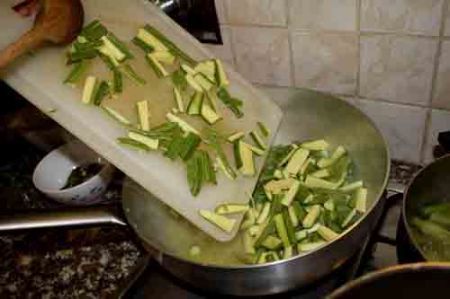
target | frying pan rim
[
  {"x": 376, "y": 202},
  {"x": 405, "y": 198},
  {"x": 389, "y": 270}
]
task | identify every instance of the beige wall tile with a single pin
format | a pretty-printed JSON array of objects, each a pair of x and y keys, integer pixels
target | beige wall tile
[
  {"x": 447, "y": 20},
  {"x": 256, "y": 12},
  {"x": 262, "y": 54},
  {"x": 441, "y": 97},
  {"x": 323, "y": 14},
  {"x": 413, "y": 16},
  {"x": 279, "y": 94},
  {"x": 325, "y": 61},
  {"x": 402, "y": 126},
  {"x": 397, "y": 68},
  {"x": 440, "y": 121},
  {"x": 220, "y": 10},
  {"x": 223, "y": 51}
]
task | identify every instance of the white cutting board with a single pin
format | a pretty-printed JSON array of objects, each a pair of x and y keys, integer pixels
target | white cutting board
[{"x": 38, "y": 77}]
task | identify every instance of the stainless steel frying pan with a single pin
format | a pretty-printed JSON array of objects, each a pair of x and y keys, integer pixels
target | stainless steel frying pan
[{"x": 308, "y": 115}]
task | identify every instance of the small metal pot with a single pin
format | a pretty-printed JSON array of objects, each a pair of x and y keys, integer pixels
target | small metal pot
[
  {"x": 420, "y": 280},
  {"x": 430, "y": 186}
]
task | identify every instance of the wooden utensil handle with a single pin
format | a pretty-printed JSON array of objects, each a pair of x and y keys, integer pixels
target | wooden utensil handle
[{"x": 31, "y": 40}]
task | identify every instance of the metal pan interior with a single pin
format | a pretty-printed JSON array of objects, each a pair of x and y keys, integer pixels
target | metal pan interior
[{"x": 308, "y": 115}]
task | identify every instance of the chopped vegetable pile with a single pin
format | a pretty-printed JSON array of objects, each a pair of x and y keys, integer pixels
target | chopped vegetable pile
[
  {"x": 305, "y": 197},
  {"x": 432, "y": 230},
  {"x": 200, "y": 89}
]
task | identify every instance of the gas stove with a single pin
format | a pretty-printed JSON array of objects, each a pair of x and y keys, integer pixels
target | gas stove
[
  {"x": 387, "y": 246},
  {"x": 110, "y": 261}
]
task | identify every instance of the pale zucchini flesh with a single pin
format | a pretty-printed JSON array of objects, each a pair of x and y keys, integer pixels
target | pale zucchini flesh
[
  {"x": 338, "y": 153},
  {"x": 226, "y": 209},
  {"x": 221, "y": 76},
  {"x": 289, "y": 196},
  {"x": 193, "y": 83},
  {"x": 224, "y": 223},
  {"x": 315, "y": 145},
  {"x": 89, "y": 89},
  {"x": 151, "y": 40},
  {"x": 178, "y": 99},
  {"x": 143, "y": 114},
  {"x": 208, "y": 114},
  {"x": 361, "y": 200},
  {"x": 235, "y": 136},
  {"x": 311, "y": 217},
  {"x": 163, "y": 56},
  {"x": 296, "y": 161},
  {"x": 182, "y": 123},
  {"x": 195, "y": 105},
  {"x": 116, "y": 115},
  {"x": 150, "y": 142}
]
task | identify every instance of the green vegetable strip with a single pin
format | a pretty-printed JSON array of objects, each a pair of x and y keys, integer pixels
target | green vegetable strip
[
  {"x": 441, "y": 218},
  {"x": 170, "y": 45},
  {"x": 268, "y": 229},
  {"x": 208, "y": 173},
  {"x": 262, "y": 128},
  {"x": 117, "y": 81},
  {"x": 143, "y": 46},
  {"x": 133, "y": 144},
  {"x": 281, "y": 229},
  {"x": 165, "y": 128},
  {"x": 108, "y": 62},
  {"x": 102, "y": 91},
  {"x": 77, "y": 71},
  {"x": 233, "y": 104},
  {"x": 89, "y": 45},
  {"x": 179, "y": 79},
  {"x": 221, "y": 155},
  {"x": 163, "y": 132},
  {"x": 436, "y": 208},
  {"x": 289, "y": 228},
  {"x": 129, "y": 71},
  {"x": 82, "y": 55},
  {"x": 174, "y": 147},
  {"x": 299, "y": 211},
  {"x": 120, "y": 45},
  {"x": 276, "y": 205},
  {"x": 194, "y": 174},
  {"x": 189, "y": 145},
  {"x": 431, "y": 229},
  {"x": 94, "y": 31},
  {"x": 157, "y": 71}
]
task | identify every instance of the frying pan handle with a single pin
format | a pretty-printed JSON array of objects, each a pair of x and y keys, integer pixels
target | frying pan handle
[
  {"x": 396, "y": 188},
  {"x": 78, "y": 217}
]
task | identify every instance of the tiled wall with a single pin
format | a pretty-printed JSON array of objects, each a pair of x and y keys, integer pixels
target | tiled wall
[{"x": 391, "y": 58}]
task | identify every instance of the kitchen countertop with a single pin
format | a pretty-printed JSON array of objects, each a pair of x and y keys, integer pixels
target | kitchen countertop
[{"x": 88, "y": 263}]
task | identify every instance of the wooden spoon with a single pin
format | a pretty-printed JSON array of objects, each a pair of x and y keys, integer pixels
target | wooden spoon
[{"x": 57, "y": 22}]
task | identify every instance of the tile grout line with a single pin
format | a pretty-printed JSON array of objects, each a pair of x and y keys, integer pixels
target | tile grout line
[
  {"x": 425, "y": 135},
  {"x": 290, "y": 45},
  {"x": 225, "y": 11},
  {"x": 358, "y": 46},
  {"x": 232, "y": 48}
]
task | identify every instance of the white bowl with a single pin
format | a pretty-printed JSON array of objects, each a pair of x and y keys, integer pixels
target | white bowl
[{"x": 52, "y": 172}]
